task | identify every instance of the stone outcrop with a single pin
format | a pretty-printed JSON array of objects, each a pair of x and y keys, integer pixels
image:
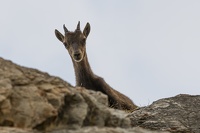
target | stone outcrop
[
  {"x": 35, "y": 102},
  {"x": 176, "y": 114},
  {"x": 32, "y": 99}
]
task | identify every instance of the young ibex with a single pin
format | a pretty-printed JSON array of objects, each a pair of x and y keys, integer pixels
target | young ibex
[{"x": 75, "y": 43}]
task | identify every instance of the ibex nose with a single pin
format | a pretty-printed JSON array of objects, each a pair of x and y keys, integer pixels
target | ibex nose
[{"x": 77, "y": 55}]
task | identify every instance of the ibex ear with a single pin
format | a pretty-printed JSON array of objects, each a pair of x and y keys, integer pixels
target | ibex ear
[
  {"x": 86, "y": 30},
  {"x": 59, "y": 35}
]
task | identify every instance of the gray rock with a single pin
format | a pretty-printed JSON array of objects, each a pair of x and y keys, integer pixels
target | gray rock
[
  {"x": 176, "y": 114},
  {"x": 107, "y": 130}
]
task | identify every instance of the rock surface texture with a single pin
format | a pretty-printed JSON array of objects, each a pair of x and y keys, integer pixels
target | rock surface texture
[
  {"x": 35, "y": 102},
  {"x": 176, "y": 114}
]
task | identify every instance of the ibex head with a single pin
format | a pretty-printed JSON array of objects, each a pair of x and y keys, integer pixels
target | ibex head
[{"x": 74, "y": 41}]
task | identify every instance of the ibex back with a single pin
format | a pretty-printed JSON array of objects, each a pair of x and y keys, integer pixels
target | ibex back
[{"x": 75, "y": 43}]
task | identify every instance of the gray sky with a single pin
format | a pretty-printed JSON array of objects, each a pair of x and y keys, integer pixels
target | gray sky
[{"x": 145, "y": 49}]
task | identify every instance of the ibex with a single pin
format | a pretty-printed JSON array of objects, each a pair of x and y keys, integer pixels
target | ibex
[{"x": 75, "y": 43}]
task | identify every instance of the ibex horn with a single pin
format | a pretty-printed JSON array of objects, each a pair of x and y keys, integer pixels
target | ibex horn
[
  {"x": 65, "y": 29},
  {"x": 78, "y": 26}
]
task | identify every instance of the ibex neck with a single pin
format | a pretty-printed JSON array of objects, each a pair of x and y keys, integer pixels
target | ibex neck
[{"x": 83, "y": 72}]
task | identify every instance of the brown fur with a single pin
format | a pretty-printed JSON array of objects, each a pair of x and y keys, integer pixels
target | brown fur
[{"x": 75, "y": 44}]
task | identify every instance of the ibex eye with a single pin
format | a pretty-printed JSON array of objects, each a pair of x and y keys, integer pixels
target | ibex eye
[
  {"x": 83, "y": 41},
  {"x": 66, "y": 45}
]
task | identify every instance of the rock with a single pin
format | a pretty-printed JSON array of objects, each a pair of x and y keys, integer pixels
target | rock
[
  {"x": 107, "y": 130},
  {"x": 16, "y": 130},
  {"x": 35, "y": 102},
  {"x": 176, "y": 114},
  {"x": 82, "y": 130}
]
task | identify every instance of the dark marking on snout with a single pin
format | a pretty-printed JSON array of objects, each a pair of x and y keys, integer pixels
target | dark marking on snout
[{"x": 77, "y": 55}]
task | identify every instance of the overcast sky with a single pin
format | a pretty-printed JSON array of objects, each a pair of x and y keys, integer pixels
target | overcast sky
[{"x": 146, "y": 49}]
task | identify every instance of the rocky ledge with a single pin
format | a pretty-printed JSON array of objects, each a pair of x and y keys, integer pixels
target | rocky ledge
[{"x": 35, "y": 102}]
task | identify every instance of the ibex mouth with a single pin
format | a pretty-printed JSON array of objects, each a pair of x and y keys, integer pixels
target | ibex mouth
[{"x": 78, "y": 60}]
